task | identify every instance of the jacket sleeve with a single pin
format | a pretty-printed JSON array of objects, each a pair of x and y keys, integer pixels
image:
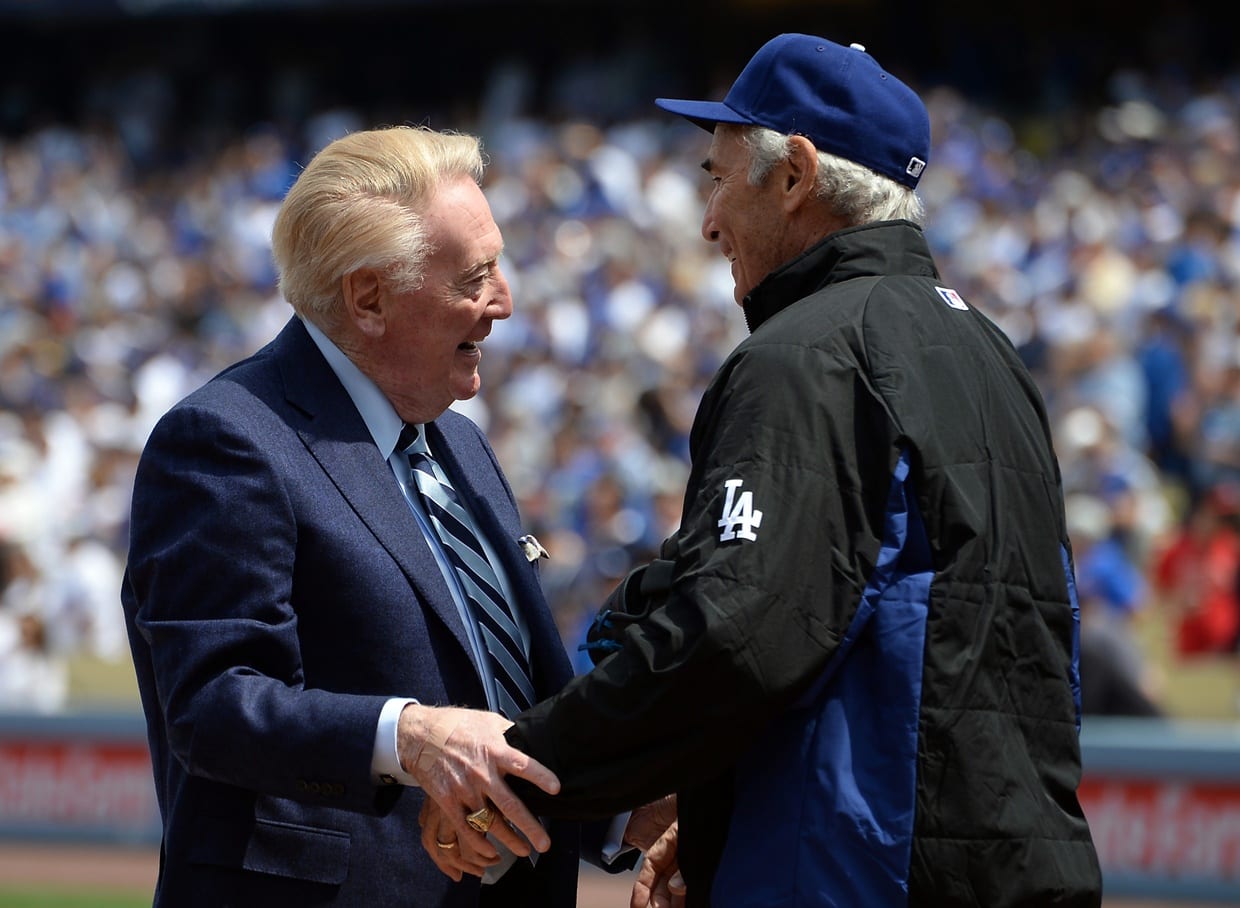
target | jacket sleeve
[
  {"x": 209, "y": 594},
  {"x": 775, "y": 545}
]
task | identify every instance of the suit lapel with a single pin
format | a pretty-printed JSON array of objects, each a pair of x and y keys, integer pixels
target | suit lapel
[{"x": 338, "y": 439}]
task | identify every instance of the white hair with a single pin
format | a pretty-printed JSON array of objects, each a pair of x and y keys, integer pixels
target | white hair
[
  {"x": 359, "y": 203},
  {"x": 853, "y": 193}
]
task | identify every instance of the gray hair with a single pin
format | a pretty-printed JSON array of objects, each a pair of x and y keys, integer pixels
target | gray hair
[
  {"x": 358, "y": 204},
  {"x": 853, "y": 193}
]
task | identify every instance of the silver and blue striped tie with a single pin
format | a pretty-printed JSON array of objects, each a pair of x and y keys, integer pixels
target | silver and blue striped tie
[{"x": 500, "y": 632}]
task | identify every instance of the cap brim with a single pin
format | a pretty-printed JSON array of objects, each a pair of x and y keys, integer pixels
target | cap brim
[{"x": 702, "y": 113}]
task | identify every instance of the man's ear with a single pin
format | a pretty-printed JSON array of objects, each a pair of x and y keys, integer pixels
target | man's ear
[
  {"x": 364, "y": 301},
  {"x": 799, "y": 172}
]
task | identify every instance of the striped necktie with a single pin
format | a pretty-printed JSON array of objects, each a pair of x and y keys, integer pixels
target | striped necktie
[{"x": 500, "y": 632}]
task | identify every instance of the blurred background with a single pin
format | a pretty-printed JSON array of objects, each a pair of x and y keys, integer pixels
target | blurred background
[{"x": 1083, "y": 190}]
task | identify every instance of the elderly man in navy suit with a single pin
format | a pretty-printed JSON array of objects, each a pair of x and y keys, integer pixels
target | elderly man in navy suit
[{"x": 323, "y": 554}]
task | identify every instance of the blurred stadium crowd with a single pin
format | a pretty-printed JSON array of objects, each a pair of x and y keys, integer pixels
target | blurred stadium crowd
[{"x": 133, "y": 268}]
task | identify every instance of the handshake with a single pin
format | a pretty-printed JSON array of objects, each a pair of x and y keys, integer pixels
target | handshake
[{"x": 459, "y": 757}]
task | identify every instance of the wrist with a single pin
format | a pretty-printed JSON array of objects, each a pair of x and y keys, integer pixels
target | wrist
[
  {"x": 412, "y": 731},
  {"x": 424, "y": 732}
]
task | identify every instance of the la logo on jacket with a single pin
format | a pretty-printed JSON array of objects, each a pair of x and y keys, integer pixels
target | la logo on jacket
[{"x": 739, "y": 516}]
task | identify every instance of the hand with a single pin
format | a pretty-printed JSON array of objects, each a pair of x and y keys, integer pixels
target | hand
[
  {"x": 459, "y": 856},
  {"x": 659, "y": 883},
  {"x": 646, "y": 824},
  {"x": 459, "y": 757}
]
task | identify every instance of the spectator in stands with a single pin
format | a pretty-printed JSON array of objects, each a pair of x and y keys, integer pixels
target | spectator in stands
[
  {"x": 1164, "y": 353},
  {"x": 1198, "y": 574},
  {"x": 1116, "y": 676},
  {"x": 1217, "y": 451},
  {"x": 33, "y": 676},
  {"x": 1096, "y": 460}
]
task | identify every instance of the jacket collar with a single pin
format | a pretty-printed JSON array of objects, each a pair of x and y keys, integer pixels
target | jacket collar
[{"x": 880, "y": 248}]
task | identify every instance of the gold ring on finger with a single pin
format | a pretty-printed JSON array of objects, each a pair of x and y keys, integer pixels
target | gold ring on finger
[{"x": 481, "y": 819}]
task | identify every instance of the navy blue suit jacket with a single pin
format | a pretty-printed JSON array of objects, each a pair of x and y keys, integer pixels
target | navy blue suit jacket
[{"x": 278, "y": 591}]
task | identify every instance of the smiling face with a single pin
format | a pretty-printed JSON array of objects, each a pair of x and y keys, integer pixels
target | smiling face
[
  {"x": 427, "y": 352},
  {"x": 749, "y": 222}
]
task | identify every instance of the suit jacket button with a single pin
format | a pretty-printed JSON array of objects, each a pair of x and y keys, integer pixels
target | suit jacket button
[{"x": 387, "y": 779}]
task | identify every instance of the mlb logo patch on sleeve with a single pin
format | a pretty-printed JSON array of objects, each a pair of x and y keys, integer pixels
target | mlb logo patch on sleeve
[{"x": 952, "y": 298}]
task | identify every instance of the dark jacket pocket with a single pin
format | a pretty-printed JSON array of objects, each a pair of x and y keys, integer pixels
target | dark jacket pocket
[{"x": 283, "y": 849}]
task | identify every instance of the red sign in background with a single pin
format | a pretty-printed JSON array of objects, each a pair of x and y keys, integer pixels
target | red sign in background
[
  {"x": 77, "y": 785},
  {"x": 1183, "y": 832},
  {"x": 1176, "y": 829}
]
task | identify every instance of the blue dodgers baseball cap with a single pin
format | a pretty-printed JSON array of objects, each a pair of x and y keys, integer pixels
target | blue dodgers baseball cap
[{"x": 837, "y": 97}]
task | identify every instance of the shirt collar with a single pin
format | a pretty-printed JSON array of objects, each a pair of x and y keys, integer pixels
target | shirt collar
[{"x": 375, "y": 409}]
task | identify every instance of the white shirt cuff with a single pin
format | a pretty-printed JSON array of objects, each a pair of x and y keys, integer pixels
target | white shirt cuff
[
  {"x": 385, "y": 762},
  {"x": 613, "y": 843}
]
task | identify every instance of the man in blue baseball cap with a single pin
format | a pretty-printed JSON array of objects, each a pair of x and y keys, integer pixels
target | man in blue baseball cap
[{"x": 859, "y": 674}]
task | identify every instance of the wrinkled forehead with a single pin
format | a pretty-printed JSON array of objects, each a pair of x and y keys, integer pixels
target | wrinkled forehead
[{"x": 459, "y": 224}]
